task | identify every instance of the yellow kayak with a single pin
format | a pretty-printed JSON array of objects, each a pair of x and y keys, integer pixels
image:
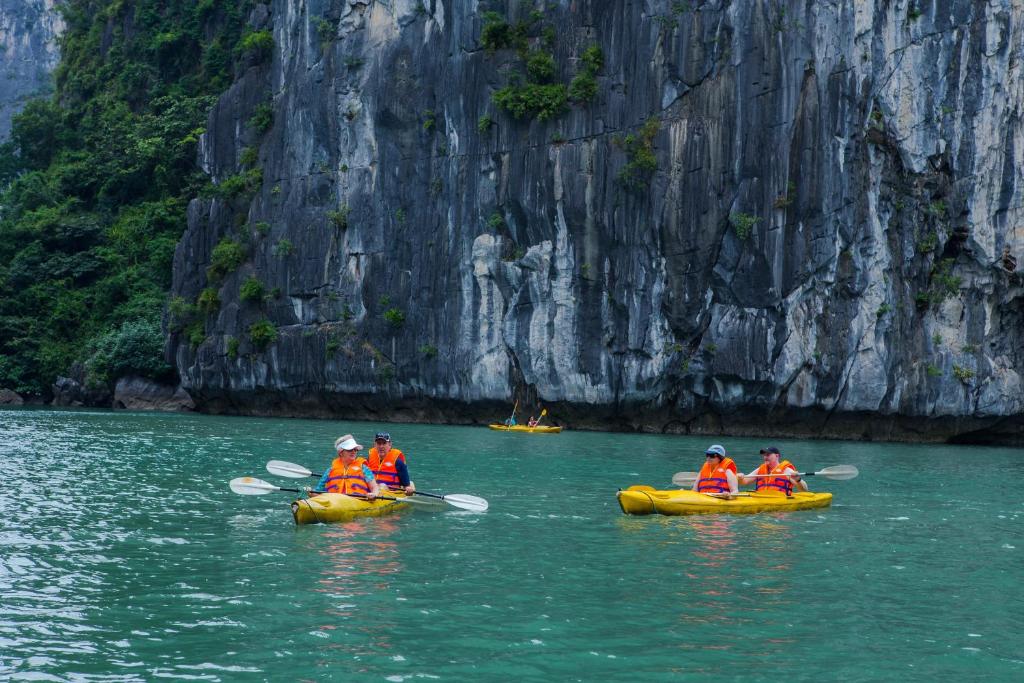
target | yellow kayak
[
  {"x": 337, "y": 507},
  {"x": 645, "y": 500},
  {"x": 541, "y": 429}
]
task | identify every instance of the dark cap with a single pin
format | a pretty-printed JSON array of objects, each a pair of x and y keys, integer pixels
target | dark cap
[
  {"x": 387, "y": 437},
  {"x": 770, "y": 449}
]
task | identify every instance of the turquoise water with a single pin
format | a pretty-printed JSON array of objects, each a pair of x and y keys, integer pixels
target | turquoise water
[{"x": 124, "y": 557}]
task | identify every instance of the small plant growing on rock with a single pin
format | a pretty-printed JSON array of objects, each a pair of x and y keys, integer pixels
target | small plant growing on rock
[
  {"x": 232, "y": 348},
  {"x": 395, "y": 317},
  {"x": 251, "y": 290},
  {"x": 428, "y": 351},
  {"x": 225, "y": 258},
  {"x": 496, "y": 221},
  {"x": 257, "y": 46},
  {"x": 963, "y": 374},
  {"x": 208, "y": 302},
  {"x": 743, "y": 224},
  {"x": 284, "y": 248},
  {"x": 933, "y": 371},
  {"x": 484, "y": 123},
  {"x": 339, "y": 218},
  {"x": 639, "y": 149},
  {"x": 262, "y": 118},
  {"x": 262, "y": 334}
]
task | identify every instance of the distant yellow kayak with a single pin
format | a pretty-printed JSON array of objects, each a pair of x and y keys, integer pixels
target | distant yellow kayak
[
  {"x": 541, "y": 429},
  {"x": 645, "y": 500},
  {"x": 337, "y": 507}
]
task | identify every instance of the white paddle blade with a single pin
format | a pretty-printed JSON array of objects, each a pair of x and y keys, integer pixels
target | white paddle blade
[
  {"x": 287, "y": 469},
  {"x": 250, "y": 486},
  {"x": 684, "y": 478},
  {"x": 839, "y": 472},
  {"x": 466, "y": 502}
]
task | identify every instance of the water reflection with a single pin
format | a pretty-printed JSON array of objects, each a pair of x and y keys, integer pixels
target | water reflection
[{"x": 357, "y": 566}]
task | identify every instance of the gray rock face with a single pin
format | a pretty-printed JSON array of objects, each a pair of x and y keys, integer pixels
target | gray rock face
[
  {"x": 819, "y": 250},
  {"x": 29, "y": 30},
  {"x": 139, "y": 393},
  {"x": 10, "y": 398}
]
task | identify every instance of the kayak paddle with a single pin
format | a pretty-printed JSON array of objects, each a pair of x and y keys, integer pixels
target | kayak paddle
[
  {"x": 250, "y": 486},
  {"x": 462, "y": 501},
  {"x": 837, "y": 472}
]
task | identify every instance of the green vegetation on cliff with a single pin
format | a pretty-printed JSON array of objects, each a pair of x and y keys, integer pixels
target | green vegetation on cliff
[{"x": 95, "y": 184}]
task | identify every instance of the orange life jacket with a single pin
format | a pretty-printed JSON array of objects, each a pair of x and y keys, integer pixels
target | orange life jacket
[
  {"x": 341, "y": 479},
  {"x": 775, "y": 484},
  {"x": 385, "y": 471},
  {"x": 713, "y": 479}
]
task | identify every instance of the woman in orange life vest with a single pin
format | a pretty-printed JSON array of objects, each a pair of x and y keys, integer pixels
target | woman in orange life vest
[
  {"x": 782, "y": 484},
  {"x": 347, "y": 473},
  {"x": 388, "y": 464},
  {"x": 718, "y": 475}
]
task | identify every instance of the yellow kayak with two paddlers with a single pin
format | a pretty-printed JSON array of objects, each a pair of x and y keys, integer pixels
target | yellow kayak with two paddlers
[
  {"x": 646, "y": 500},
  {"x": 337, "y": 507},
  {"x": 539, "y": 429}
]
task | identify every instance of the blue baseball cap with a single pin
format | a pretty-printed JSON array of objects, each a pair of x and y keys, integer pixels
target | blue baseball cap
[
  {"x": 382, "y": 436},
  {"x": 716, "y": 450}
]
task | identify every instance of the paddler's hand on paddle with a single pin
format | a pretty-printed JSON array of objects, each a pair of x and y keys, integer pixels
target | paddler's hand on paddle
[{"x": 410, "y": 489}]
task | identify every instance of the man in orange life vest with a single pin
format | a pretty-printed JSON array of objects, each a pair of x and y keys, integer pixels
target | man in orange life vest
[
  {"x": 348, "y": 474},
  {"x": 388, "y": 464},
  {"x": 782, "y": 484},
  {"x": 718, "y": 475}
]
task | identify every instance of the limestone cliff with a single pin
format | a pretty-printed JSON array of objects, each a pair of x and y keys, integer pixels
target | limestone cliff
[
  {"x": 29, "y": 30},
  {"x": 773, "y": 217}
]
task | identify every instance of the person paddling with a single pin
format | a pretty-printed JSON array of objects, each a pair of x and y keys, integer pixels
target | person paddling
[
  {"x": 718, "y": 475},
  {"x": 388, "y": 464},
  {"x": 348, "y": 473},
  {"x": 773, "y": 464}
]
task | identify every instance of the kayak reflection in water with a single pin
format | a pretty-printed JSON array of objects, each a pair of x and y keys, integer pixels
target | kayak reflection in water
[
  {"x": 782, "y": 484},
  {"x": 348, "y": 474},
  {"x": 388, "y": 464},
  {"x": 718, "y": 475}
]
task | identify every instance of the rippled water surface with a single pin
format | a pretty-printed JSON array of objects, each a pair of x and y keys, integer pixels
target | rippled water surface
[{"x": 124, "y": 557}]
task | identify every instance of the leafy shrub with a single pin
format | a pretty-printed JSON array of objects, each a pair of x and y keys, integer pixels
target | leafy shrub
[
  {"x": 226, "y": 257},
  {"x": 532, "y": 99},
  {"x": 339, "y": 218},
  {"x": 208, "y": 302},
  {"x": 257, "y": 45},
  {"x": 251, "y": 289},
  {"x": 248, "y": 157},
  {"x": 428, "y": 351},
  {"x": 496, "y": 221},
  {"x": 232, "y": 348},
  {"x": 429, "y": 120},
  {"x": 583, "y": 87},
  {"x": 963, "y": 374},
  {"x": 540, "y": 67},
  {"x": 283, "y": 249},
  {"x": 134, "y": 348},
  {"x": 639, "y": 149},
  {"x": 395, "y": 317},
  {"x": 484, "y": 123},
  {"x": 262, "y": 334},
  {"x": 244, "y": 184},
  {"x": 325, "y": 30},
  {"x": 262, "y": 117},
  {"x": 743, "y": 224}
]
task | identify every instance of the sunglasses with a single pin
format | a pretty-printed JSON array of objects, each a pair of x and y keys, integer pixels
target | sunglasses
[{"x": 711, "y": 455}]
